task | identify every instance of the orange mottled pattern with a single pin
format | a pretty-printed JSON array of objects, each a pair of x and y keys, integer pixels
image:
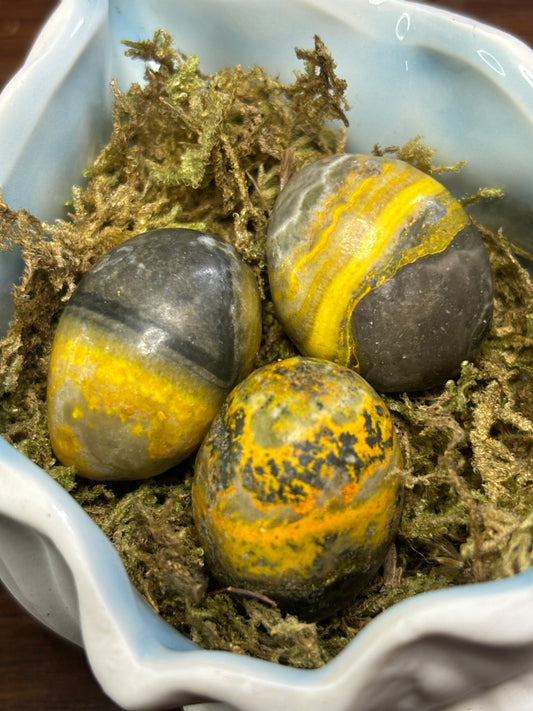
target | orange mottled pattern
[{"x": 294, "y": 486}]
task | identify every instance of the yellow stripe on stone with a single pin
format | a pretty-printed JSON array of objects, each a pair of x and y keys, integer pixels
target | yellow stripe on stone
[
  {"x": 354, "y": 247},
  {"x": 278, "y": 549},
  {"x": 95, "y": 374}
]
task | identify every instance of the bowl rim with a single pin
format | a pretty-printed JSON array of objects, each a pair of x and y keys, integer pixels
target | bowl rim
[{"x": 120, "y": 611}]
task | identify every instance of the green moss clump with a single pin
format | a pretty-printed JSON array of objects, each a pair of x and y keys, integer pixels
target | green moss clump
[{"x": 211, "y": 151}]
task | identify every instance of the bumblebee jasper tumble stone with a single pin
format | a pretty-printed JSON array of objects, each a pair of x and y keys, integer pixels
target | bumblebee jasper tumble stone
[
  {"x": 294, "y": 492},
  {"x": 373, "y": 264},
  {"x": 151, "y": 342}
]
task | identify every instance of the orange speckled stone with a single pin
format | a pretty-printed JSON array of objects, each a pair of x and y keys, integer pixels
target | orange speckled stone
[{"x": 295, "y": 494}]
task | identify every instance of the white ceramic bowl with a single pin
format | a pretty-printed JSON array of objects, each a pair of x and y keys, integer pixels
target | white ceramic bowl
[{"x": 411, "y": 69}]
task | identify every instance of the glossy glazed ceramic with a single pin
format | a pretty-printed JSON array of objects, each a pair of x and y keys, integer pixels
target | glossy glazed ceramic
[{"x": 411, "y": 69}]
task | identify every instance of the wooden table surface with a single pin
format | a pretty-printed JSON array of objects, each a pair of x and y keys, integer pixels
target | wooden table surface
[{"x": 39, "y": 671}]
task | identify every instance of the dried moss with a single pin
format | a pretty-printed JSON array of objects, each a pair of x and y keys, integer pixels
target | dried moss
[{"x": 211, "y": 151}]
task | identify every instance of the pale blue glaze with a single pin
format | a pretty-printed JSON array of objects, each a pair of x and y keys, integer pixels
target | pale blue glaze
[{"x": 411, "y": 70}]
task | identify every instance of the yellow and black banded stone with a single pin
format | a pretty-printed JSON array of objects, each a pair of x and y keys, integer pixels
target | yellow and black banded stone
[
  {"x": 294, "y": 492},
  {"x": 373, "y": 264},
  {"x": 153, "y": 339}
]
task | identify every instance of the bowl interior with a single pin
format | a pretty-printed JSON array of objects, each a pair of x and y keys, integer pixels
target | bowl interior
[{"x": 411, "y": 70}]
